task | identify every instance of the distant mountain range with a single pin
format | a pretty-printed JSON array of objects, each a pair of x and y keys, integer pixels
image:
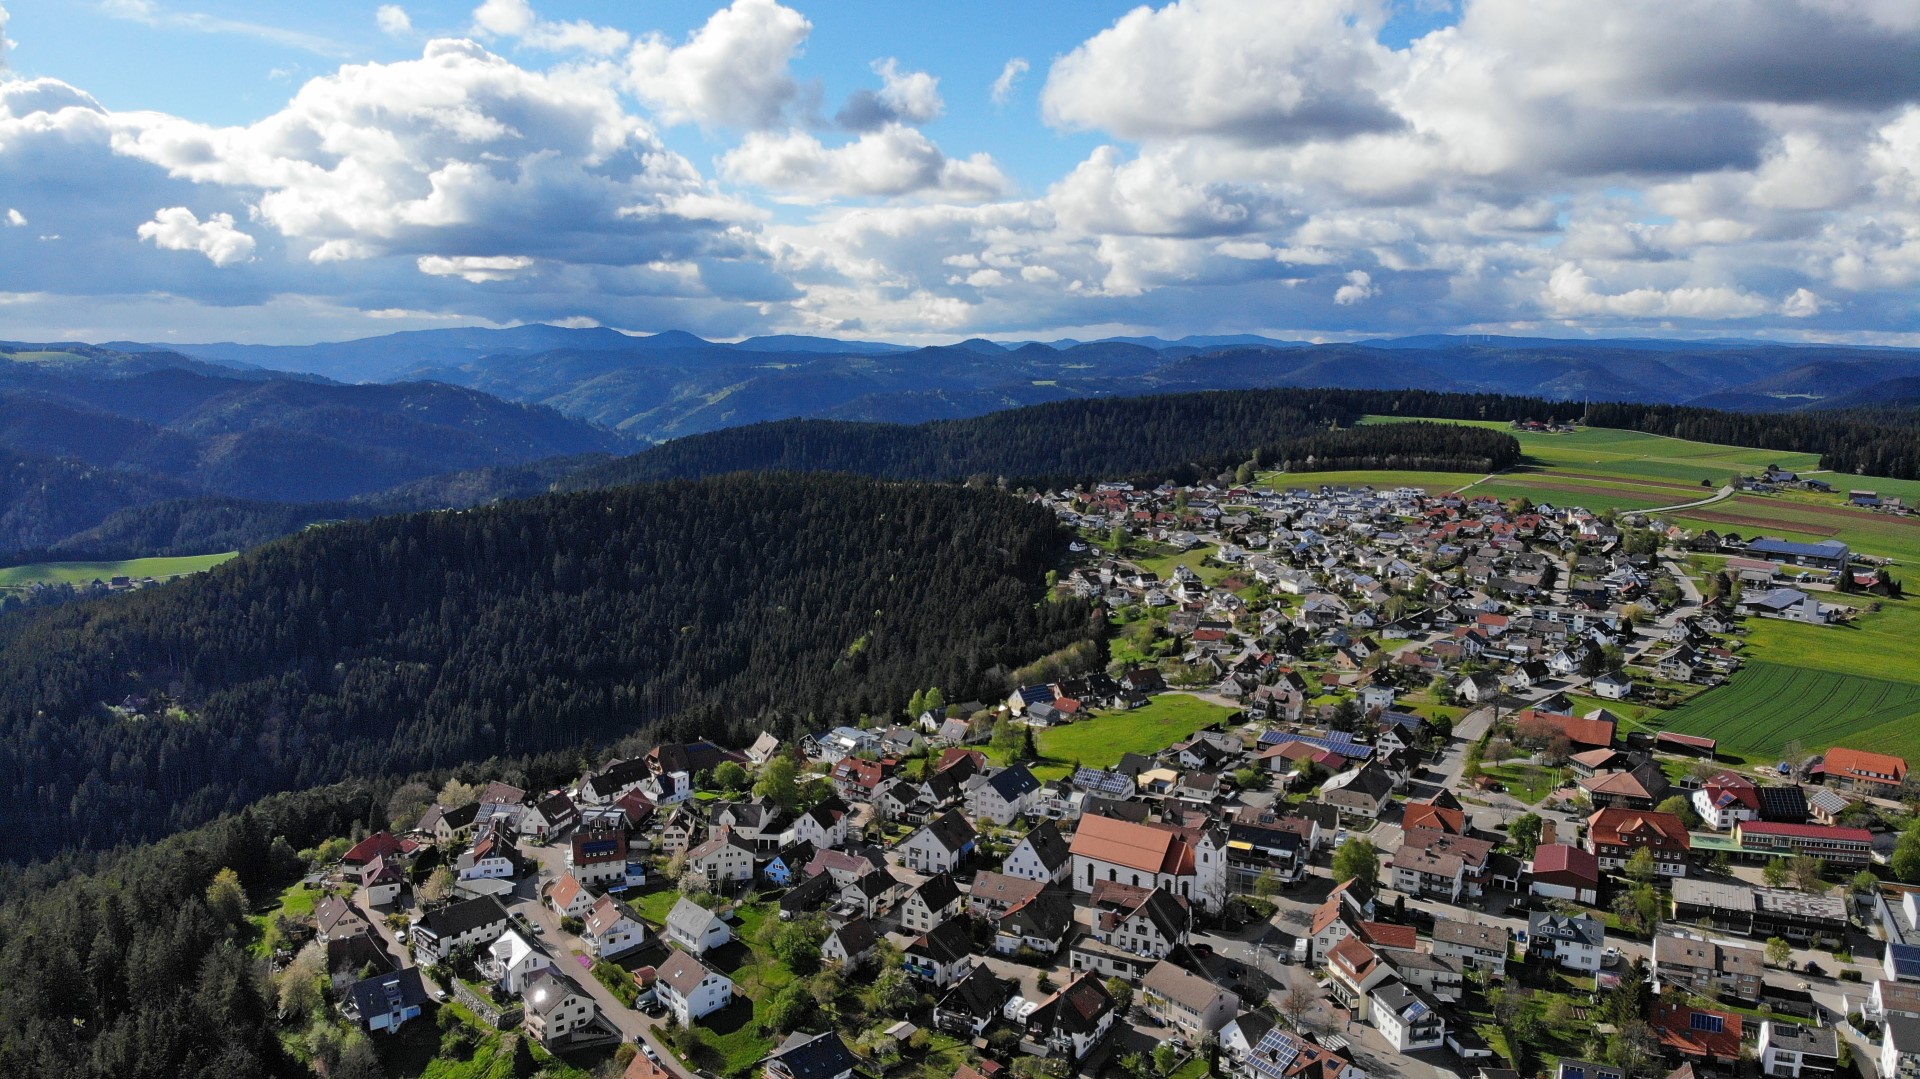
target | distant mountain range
[
  {"x": 95, "y": 434},
  {"x": 673, "y": 384}
]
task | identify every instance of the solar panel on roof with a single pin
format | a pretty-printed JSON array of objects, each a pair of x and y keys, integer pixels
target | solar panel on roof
[{"x": 1712, "y": 1024}]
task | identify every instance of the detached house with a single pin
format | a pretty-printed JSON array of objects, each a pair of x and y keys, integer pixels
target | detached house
[
  {"x": 689, "y": 989},
  {"x": 942, "y": 955},
  {"x": 1039, "y": 923},
  {"x": 937, "y": 900},
  {"x": 940, "y": 845},
  {"x": 1002, "y": 796},
  {"x": 474, "y": 922},
  {"x": 1573, "y": 941},
  {"x": 1071, "y": 1022},
  {"x": 695, "y": 928},
  {"x": 1704, "y": 968},
  {"x": 1187, "y": 1002},
  {"x": 1878, "y": 775},
  {"x": 1435, "y": 864},
  {"x": 1614, "y": 835},
  {"x": 724, "y": 859}
]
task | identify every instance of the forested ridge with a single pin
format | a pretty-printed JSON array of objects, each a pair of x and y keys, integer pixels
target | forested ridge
[
  {"x": 1171, "y": 436},
  {"x": 712, "y": 608},
  {"x": 141, "y": 972},
  {"x": 1399, "y": 446}
]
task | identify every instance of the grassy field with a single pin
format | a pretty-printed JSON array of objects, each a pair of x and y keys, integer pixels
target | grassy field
[
  {"x": 1432, "y": 482},
  {"x": 1854, "y": 685},
  {"x": 1767, "y": 705},
  {"x": 1100, "y": 742},
  {"x": 80, "y": 573}
]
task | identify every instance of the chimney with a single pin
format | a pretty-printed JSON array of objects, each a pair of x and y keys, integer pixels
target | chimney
[{"x": 1548, "y": 828}]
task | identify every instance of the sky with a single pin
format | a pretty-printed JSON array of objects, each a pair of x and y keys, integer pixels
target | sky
[{"x": 280, "y": 172}]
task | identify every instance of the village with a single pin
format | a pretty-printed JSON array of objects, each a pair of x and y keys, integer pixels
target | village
[{"x": 1407, "y": 834}]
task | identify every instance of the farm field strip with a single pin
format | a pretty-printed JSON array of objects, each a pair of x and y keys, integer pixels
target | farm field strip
[{"x": 1766, "y": 705}]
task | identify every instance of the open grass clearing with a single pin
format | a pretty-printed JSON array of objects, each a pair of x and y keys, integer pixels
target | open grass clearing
[
  {"x": 1101, "y": 741},
  {"x": 81, "y": 573}
]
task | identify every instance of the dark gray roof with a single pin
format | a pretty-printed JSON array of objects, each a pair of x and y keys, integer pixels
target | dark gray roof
[
  {"x": 383, "y": 993},
  {"x": 1012, "y": 783},
  {"x": 452, "y": 921},
  {"x": 812, "y": 1056},
  {"x": 1049, "y": 845}
]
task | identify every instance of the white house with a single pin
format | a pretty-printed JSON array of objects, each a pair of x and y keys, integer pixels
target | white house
[
  {"x": 689, "y": 990},
  {"x": 1900, "y": 1048},
  {"x": 1574, "y": 941},
  {"x": 1002, "y": 796},
  {"x": 1613, "y": 686},
  {"x": 724, "y": 859},
  {"x": 474, "y": 922},
  {"x": 555, "y": 1006},
  {"x": 937, "y": 900},
  {"x": 695, "y": 928},
  {"x": 1407, "y": 1018},
  {"x": 612, "y": 928},
  {"x": 940, "y": 845},
  {"x": 512, "y": 958},
  {"x": 1042, "y": 855}
]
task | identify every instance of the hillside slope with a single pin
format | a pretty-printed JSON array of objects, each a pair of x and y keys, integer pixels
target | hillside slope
[{"x": 716, "y": 607}]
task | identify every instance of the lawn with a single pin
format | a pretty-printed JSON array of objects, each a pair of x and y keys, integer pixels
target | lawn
[
  {"x": 1099, "y": 742},
  {"x": 1162, "y": 566},
  {"x": 80, "y": 573},
  {"x": 729, "y": 1042},
  {"x": 1530, "y": 783}
]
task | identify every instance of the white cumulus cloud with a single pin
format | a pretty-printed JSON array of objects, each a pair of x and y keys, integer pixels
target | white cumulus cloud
[
  {"x": 892, "y": 162},
  {"x": 914, "y": 96},
  {"x": 1359, "y": 288},
  {"x": 735, "y": 71},
  {"x": 16, "y": 219},
  {"x": 1570, "y": 291},
  {"x": 178, "y": 229}
]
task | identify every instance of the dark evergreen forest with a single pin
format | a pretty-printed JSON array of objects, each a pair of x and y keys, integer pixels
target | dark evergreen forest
[
  {"x": 709, "y": 608},
  {"x": 1181, "y": 437}
]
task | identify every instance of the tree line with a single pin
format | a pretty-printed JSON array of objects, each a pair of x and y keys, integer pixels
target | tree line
[
  {"x": 1873, "y": 442},
  {"x": 1442, "y": 447},
  {"x": 715, "y": 608}
]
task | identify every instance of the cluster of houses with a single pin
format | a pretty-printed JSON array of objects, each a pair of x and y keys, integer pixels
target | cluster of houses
[{"x": 977, "y": 868}]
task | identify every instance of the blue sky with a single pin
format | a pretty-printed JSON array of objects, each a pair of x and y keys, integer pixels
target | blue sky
[{"x": 1313, "y": 168}]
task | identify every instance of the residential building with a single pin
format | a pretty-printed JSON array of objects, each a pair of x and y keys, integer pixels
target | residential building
[
  {"x": 1189, "y": 1003},
  {"x": 1797, "y": 1051},
  {"x": 993, "y": 894},
  {"x": 458, "y": 925},
  {"x": 1876, "y": 774},
  {"x": 1039, "y": 924},
  {"x": 1900, "y": 1048},
  {"x": 597, "y": 857},
  {"x": 689, "y": 989},
  {"x": 1707, "y": 969},
  {"x": 973, "y": 1003},
  {"x": 725, "y": 860},
  {"x": 939, "y": 846},
  {"x": 1482, "y": 945},
  {"x": 555, "y": 1006},
  {"x": 937, "y": 900},
  {"x": 1615, "y": 835},
  {"x": 1002, "y": 796},
  {"x": 1574, "y": 941},
  {"x": 1435, "y": 864},
  {"x": 1698, "y": 1035},
  {"x": 1071, "y": 1022},
  {"x": 1407, "y": 1018},
  {"x": 385, "y": 1002},
  {"x": 612, "y": 928},
  {"x": 695, "y": 928},
  {"x": 512, "y": 958},
  {"x": 810, "y": 1056},
  {"x": 1760, "y": 913},
  {"x": 1041, "y": 855},
  {"x": 851, "y": 943},
  {"x": 942, "y": 955},
  {"x": 1726, "y": 799}
]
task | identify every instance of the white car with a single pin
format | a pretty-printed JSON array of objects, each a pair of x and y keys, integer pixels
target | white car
[{"x": 1610, "y": 957}]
